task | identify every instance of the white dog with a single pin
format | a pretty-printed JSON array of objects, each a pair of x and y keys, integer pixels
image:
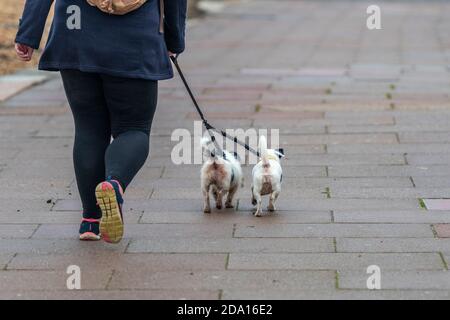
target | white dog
[
  {"x": 221, "y": 175},
  {"x": 267, "y": 176}
]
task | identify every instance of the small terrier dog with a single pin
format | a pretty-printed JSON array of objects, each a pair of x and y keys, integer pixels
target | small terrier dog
[
  {"x": 221, "y": 175},
  {"x": 267, "y": 176}
]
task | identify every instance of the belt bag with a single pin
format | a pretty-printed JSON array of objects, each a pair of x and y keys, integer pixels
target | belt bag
[{"x": 122, "y": 7}]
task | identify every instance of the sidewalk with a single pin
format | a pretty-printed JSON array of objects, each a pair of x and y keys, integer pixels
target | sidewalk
[{"x": 364, "y": 117}]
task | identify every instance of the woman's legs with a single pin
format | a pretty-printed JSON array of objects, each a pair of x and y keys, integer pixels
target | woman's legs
[
  {"x": 92, "y": 134},
  {"x": 103, "y": 105},
  {"x": 132, "y": 104}
]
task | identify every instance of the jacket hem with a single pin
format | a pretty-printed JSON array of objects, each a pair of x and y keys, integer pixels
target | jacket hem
[{"x": 95, "y": 69}]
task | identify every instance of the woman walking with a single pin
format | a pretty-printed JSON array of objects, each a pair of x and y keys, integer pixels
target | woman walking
[{"x": 110, "y": 65}]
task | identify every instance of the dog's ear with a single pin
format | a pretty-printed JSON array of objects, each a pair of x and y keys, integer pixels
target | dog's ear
[{"x": 280, "y": 152}]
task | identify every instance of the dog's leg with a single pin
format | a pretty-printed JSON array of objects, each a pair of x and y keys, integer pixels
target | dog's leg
[
  {"x": 253, "y": 198},
  {"x": 206, "y": 206},
  {"x": 258, "y": 199},
  {"x": 273, "y": 197},
  {"x": 231, "y": 193},
  {"x": 219, "y": 199}
]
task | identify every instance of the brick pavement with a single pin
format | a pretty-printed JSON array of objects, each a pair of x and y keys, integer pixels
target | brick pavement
[{"x": 363, "y": 115}]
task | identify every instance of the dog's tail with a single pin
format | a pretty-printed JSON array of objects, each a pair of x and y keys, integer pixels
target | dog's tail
[
  {"x": 263, "y": 151},
  {"x": 207, "y": 149}
]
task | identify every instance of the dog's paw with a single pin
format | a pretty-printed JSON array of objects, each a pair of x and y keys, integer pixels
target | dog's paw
[
  {"x": 218, "y": 206},
  {"x": 207, "y": 210},
  {"x": 229, "y": 205},
  {"x": 258, "y": 214},
  {"x": 271, "y": 208}
]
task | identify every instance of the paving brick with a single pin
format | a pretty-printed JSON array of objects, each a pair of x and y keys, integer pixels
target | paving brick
[
  {"x": 388, "y": 171},
  {"x": 156, "y": 294},
  {"x": 50, "y": 280},
  {"x": 390, "y": 216},
  {"x": 226, "y": 245},
  {"x": 424, "y": 159},
  {"x": 44, "y": 246},
  {"x": 425, "y": 137},
  {"x": 392, "y": 245},
  {"x": 139, "y": 263},
  {"x": 398, "y": 280},
  {"x": 141, "y": 231},
  {"x": 336, "y": 204},
  {"x": 431, "y": 182},
  {"x": 15, "y": 231},
  {"x": 225, "y": 280},
  {"x": 334, "y": 139},
  {"x": 337, "y": 294},
  {"x": 389, "y": 193},
  {"x": 335, "y": 261},
  {"x": 442, "y": 230},
  {"x": 429, "y": 148},
  {"x": 233, "y": 217},
  {"x": 344, "y": 159},
  {"x": 437, "y": 204},
  {"x": 335, "y": 230}
]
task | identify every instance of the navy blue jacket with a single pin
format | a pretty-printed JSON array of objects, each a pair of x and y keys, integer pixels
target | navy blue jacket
[{"x": 127, "y": 46}]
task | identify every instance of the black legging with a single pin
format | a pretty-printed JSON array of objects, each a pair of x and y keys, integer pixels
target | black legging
[{"x": 105, "y": 106}]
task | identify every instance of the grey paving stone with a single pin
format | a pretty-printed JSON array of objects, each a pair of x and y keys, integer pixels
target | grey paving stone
[
  {"x": 336, "y": 204},
  {"x": 388, "y": 171},
  {"x": 429, "y": 148},
  {"x": 390, "y": 216},
  {"x": 141, "y": 231},
  {"x": 431, "y": 182},
  {"x": 392, "y": 245},
  {"x": 347, "y": 182},
  {"x": 116, "y": 260},
  {"x": 15, "y": 231},
  {"x": 335, "y": 230},
  {"x": 334, "y": 139},
  {"x": 227, "y": 245},
  {"x": 425, "y": 137},
  {"x": 335, "y": 261},
  {"x": 225, "y": 280},
  {"x": 337, "y": 294},
  {"x": 5, "y": 258},
  {"x": 424, "y": 159},
  {"x": 27, "y": 280},
  {"x": 233, "y": 217},
  {"x": 344, "y": 159},
  {"x": 110, "y": 295},
  {"x": 407, "y": 133},
  {"x": 389, "y": 193},
  {"x": 398, "y": 280},
  {"x": 47, "y": 246}
]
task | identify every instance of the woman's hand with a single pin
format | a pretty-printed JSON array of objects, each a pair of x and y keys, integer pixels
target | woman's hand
[
  {"x": 171, "y": 54},
  {"x": 24, "y": 52}
]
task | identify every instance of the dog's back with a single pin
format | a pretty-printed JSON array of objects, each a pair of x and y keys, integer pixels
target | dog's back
[{"x": 267, "y": 173}]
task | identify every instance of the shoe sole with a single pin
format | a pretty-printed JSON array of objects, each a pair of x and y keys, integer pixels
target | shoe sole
[
  {"x": 89, "y": 236},
  {"x": 111, "y": 224}
]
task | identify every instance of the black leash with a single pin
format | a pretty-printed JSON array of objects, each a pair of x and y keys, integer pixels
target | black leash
[{"x": 208, "y": 126}]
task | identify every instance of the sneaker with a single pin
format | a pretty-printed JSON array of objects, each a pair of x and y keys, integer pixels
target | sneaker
[
  {"x": 109, "y": 198},
  {"x": 90, "y": 230}
]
